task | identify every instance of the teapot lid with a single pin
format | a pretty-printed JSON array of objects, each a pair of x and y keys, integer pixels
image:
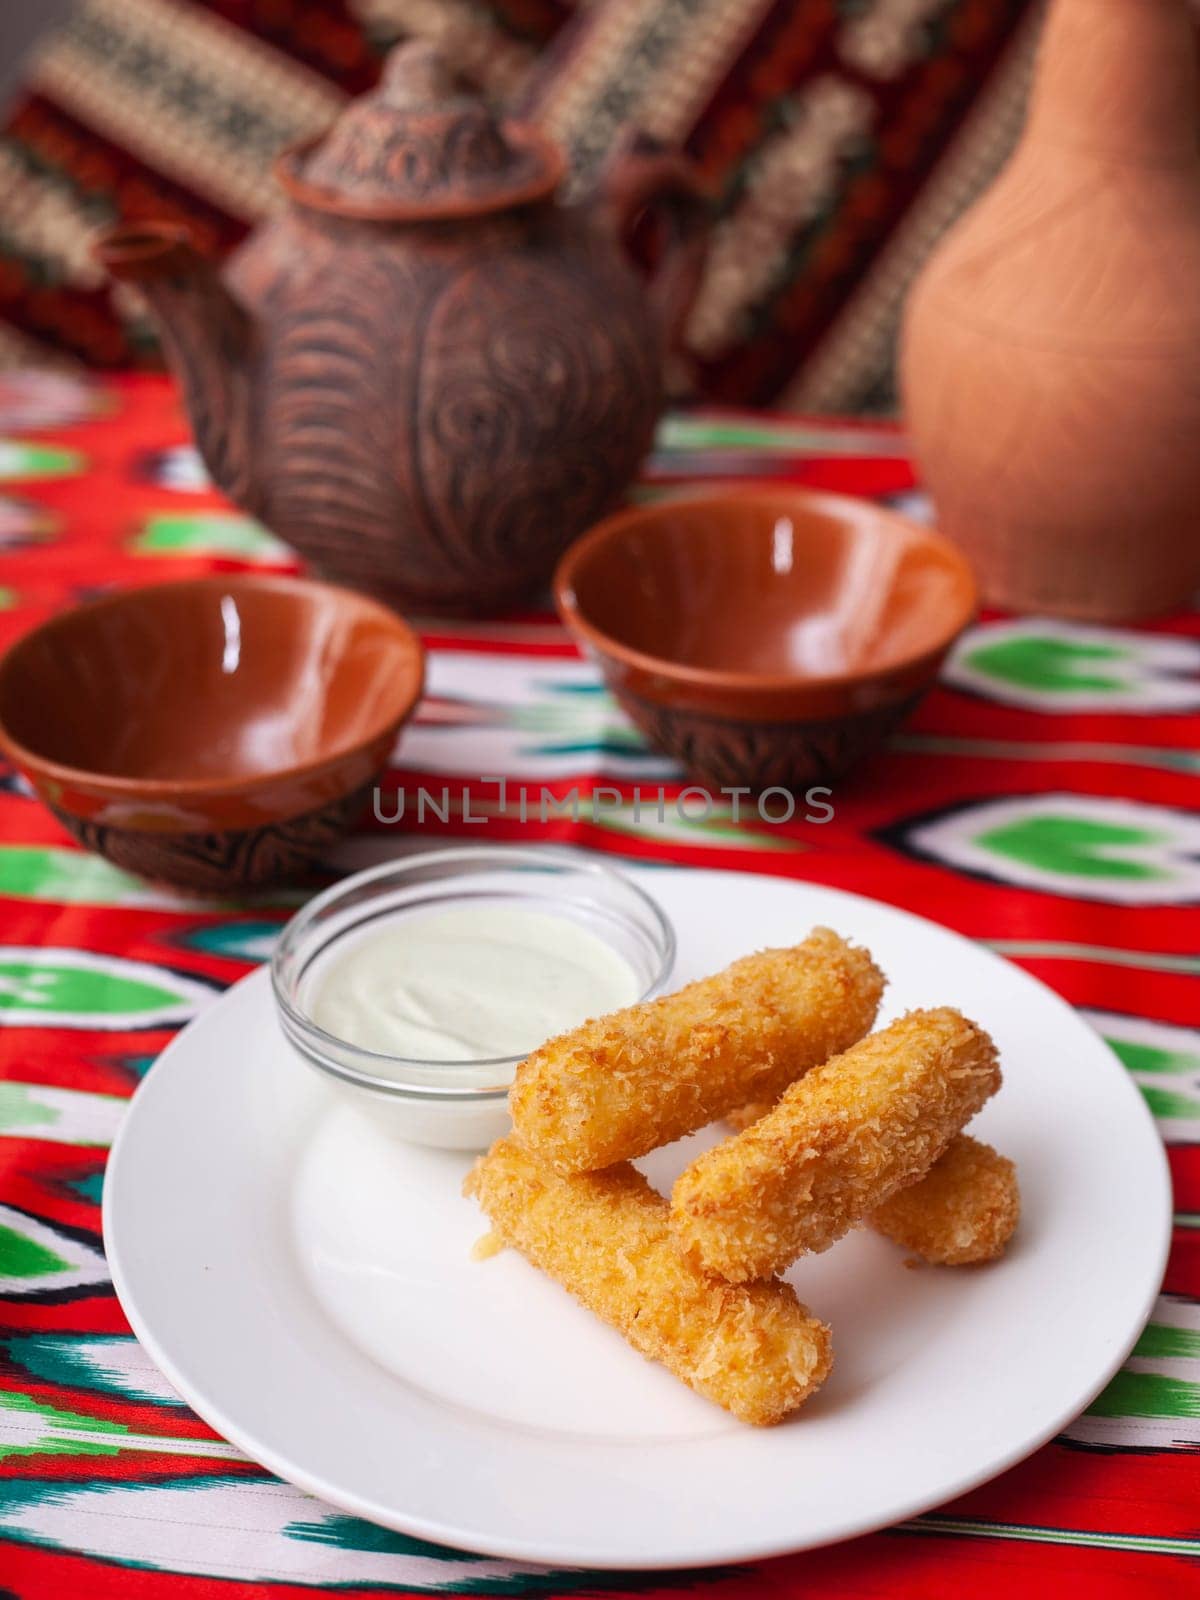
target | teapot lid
[{"x": 420, "y": 147}]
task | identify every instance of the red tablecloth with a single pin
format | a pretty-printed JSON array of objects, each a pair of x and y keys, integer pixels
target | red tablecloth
[{"x": 1042, "y": 801}]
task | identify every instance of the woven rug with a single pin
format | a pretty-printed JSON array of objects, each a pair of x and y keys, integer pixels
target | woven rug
[{"x": 839, "y": 138}]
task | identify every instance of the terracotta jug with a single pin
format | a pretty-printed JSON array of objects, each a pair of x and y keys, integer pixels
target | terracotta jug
[
  {"x": 1051, "y": 350},
  {"x": 428, "y": 374}
]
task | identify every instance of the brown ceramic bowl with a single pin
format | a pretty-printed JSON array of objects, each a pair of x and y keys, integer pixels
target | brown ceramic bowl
[
  {"x": 765, "y": 638},
  {"x": 216, "y": 733}
]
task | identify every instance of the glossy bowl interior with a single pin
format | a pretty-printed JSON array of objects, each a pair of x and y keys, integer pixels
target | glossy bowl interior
[
  {"x": 217, "y": 734},
  {"x": 455, "y": 1104},
  {"x": 765, "y": 592},
  {"x": 207, "y": 685}
]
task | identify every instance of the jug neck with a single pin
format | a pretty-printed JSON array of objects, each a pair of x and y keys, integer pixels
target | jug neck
[{"x": 1118, "y": 78}]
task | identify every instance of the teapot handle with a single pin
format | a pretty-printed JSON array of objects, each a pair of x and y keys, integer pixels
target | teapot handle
[{"x": 666, "y": 184}]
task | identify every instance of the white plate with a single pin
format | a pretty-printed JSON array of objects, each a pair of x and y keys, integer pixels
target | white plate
[{"x": 307, "y": 1286}]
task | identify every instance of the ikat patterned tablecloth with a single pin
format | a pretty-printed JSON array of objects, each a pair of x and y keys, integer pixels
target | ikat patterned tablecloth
[{"x": 1043, "y": 801}]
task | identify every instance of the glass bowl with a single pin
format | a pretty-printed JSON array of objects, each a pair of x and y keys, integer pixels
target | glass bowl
[{"x": 459, "y": 1105}]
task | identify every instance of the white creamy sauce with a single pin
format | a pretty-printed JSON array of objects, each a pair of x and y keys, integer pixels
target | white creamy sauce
[{"x": 468, "y": 984}]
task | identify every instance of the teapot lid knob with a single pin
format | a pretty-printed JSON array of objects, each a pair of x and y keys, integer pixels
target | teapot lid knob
[
  {"x": 417, "y": 74},
  {"x": 421, "y": 147}
]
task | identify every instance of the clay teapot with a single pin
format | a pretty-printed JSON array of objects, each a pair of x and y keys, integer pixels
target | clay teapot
[
  {"x": 429, "y": 373},
  {"x": 1051, "y": 349}
]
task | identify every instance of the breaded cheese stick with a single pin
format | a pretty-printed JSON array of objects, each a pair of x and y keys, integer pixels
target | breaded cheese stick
[
  {"x": 626, "y": 1083},
  {"x": 838, "y": 1145},
  {"x": 964, "y": 1210},
  {"x": 743, "y": 1116},
  {"x": 604, "y": 1237}
]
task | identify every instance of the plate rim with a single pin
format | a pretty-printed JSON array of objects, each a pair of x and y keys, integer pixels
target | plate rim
[{"x": 546, "y": 1553}]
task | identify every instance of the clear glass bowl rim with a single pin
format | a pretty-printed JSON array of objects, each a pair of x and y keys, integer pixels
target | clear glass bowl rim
[{"x": 314, "y": 1042}]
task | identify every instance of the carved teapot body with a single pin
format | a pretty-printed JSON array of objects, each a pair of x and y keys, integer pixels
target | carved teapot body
[{"x": 427, "y": 375}]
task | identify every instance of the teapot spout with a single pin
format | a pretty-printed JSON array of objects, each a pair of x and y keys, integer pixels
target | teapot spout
[{"x": 208, "y": 337}]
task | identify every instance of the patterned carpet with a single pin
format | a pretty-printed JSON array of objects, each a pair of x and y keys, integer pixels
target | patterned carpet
[{"x": 839, "y": 137}]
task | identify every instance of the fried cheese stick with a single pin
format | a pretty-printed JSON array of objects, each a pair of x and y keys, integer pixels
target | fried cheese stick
[
  {"x": 836, "y": 1147},
  {"x": 963, "y": 1211},
  {"x": 626, "y": 1083},
  {"x": 604, "y": 1237}
]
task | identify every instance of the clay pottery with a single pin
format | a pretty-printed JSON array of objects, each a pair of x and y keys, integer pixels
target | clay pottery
[
  {"x": 767, "y": 638},
  {"x": 217, "y": 733},
  {"x": 429, "y": 373},
  {"x": 1051, "y": 348}
]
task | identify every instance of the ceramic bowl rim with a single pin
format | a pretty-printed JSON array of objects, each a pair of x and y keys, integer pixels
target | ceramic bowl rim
[
  {"x": 733, "y": 680},
  {"x": 309, "y": 1038},
  {"x": 118, "y": 786}
]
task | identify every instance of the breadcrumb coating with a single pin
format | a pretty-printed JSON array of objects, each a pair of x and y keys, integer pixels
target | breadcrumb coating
[
  {"x": 836, "y": 1147},
  {"x": 742, "y": 1116},
  {"x": 964, "y": 1210},
  {"x": 604, "y": 1236},
  {"x": 624, "y": 1084}
]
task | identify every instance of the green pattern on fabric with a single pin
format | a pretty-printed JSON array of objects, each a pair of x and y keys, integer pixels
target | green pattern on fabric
[
  {"x": 236, "y": 941},
  {"x": 53, "y": 874},
  {"x": 1167, "y": 1103},
  {"x": 22, "y": 1257},
  {"x": 1150, "y": 1058},
  {"x": 1147, "y": 1394},
  {"x": 1073, "y": 846},
  {"x": 21, "y": 460},
  {"x": 1134, "y": 755},
  {"x": 49, "y": 1440},
  {"x": 28, "y": 986},
  {"x": 585, "y": 691},
  {"x": 683, "y": 434},
  {"x": 1047, "y": 663},
  {"x": 68, "y": 1116},
  {"x": 1160, "y": 1341},
  {"x": 20, "y": 1108},
  {"x": 82, "y": 1361},
  {"x": 208, "y": 533},
  {"x": 354, "y": 1533},
  {"x": 1065, "y": 950},
  {"x": 716, "y": 831},
  {"x": 69, "y": 877},
  {"x": 576, "y": 719},
  {"x": 620, "y": 743}
]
